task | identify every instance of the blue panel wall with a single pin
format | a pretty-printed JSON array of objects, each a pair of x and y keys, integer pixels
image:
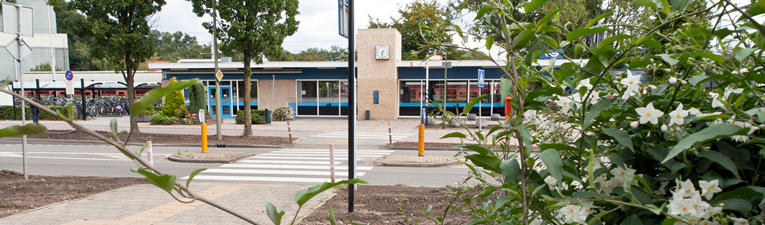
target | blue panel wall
[
  {"x": 308, "y": 73},
  {"x": 453, "y": 73}
]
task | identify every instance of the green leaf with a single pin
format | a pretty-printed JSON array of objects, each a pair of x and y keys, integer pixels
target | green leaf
[
  {"x": 551, "y": 159},
  {"x": 576, "y": 34},
  {"x": 737, "y": 204},
  {"x": 621, "y": 136},
  {"x": 276, "y": 217},
  {"x": 721, "y": 160},
  {"x": 454, "y": 134},
  {"x": 478, "y": 149},
  {"x": 525, "y": 135},
  {"x": 303, "y": 196},
  {"x": 157, "y": 93},
  {"x": 486, "y": 8},
  {"x": 613, "y": 39},
  {"x": 707, "y": 134},
  {"x": 646, "y": 3},
  {"x": 665, "y": 6},
  {"x": 511, "y": 169},
  {"x": 472, "y": 102},
  {"x": 193, "y": 174},
  {"x": 668, "y": 59},
  {"x": 114, "y": 133},
  {"x": 523, "y": 39},
  {"x": 489, "y": 41},
  {"x": 709, "y": 55},
  {"x": 332, "y": 220},
  {"x": 632, "y": 220},
  {"x": 696, "y": 79},
  {"x": 678, "y": 5},
  {"x": 544, "y": 92},
  {"x": 595, "y": 111},
  {"x": 487, "y": 162},
  {"x": 754, "y": 10},
  {"x": 761, "y": 3},
  {"x": 596, "y": 19},
  {"x": 741, "y": 54},
  {"x": 650, "y": 42},
  {"x": 533, "y": 4},
  {"x": 16, "y": 130},
  {"x": 541, "y": 23},
  {"x": 164, "y": 181},
  {"x": 755, "y": 191}
]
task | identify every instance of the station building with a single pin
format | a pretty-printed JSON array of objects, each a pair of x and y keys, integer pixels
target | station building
[{"x": 387, "y": 88}]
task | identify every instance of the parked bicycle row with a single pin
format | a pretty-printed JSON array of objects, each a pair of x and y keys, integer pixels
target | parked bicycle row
[{"x": 109, "y": 106}]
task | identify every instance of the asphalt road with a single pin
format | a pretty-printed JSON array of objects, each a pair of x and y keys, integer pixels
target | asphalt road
[{"x": 55, "y": 159}]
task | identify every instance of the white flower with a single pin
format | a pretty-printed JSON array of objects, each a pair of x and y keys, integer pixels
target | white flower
[
  {"x": 664, "y": 127},
  {"x": 652, "y": 87},
  {"x": 551, "y": 181},
  {"x": 703, "y": 222},
  {"x": 634, "y": 124},
  {"x": 686, "y": 188},
  {"x": 632, "y": 83},
  {"x": 573, "y": 214},
  {"x": 738, "y": 221},
  {"x": 683, "y": 82},
  {"x": 536, "y": 221},
  {"x": 709, "y": 188},
  {"x": 649, "y": 114},
  {"x": 621, "y": 176},
  {"x": 584, "y": 83},
  {"x": 625, "y": 97},
  {"x": 529, "y": 115},
  {"x": 710, "y": 212},
  {"x": 564, "y": 103},
  {"x": 678, "y": 116},
  {"x": 673, "y": 80},
  {"x": 729, "y": 91},
  {"x": 716, "y": 103},
  {"x": 680, "y": 206},
  {"x": 694, "y": 111},
  {"x": 595, "y": 97},
  {"x": 699, "y": 206}
]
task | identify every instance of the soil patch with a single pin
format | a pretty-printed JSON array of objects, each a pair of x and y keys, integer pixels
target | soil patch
[
  {"x": 378, "y": 204},
  {"x": 208, "y": 155},
  {"x": 165, "y": 138},
  {"x": 427, "y": 145},
  {"x": 18, "y": 195}
]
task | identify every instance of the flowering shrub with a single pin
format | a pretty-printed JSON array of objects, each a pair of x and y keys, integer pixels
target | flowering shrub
[
  {"x": 648, "y": 146},
  {"x": 283, "y": 113}
]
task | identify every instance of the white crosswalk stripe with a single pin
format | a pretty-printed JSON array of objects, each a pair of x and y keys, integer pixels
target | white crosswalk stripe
[
  {"x": 290, "y": 166},
  {"x": 363, "y": 135}
]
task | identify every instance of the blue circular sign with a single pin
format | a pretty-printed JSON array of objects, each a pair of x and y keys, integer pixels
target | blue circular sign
[{"x": 69, "y": 75}]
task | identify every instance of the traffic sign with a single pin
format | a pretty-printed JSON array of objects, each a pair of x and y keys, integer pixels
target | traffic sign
[
  {"x": 69, "y": 87},
  {"x": 69, "y": 75},
  {"x": 201, "y": 115},
  {"x": 219, "y": 75},
  {"x": 481, "y": 75}
]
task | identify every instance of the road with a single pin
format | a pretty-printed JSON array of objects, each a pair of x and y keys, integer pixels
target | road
[{"x": 289, "y": 166}]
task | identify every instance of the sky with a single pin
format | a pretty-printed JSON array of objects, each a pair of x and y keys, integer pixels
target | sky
[{"x": 318, "y": 21}]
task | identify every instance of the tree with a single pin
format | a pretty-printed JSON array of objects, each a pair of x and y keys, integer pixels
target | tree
[
  {"x": 197, "y": 97},
  {"x": 44, "y": 67},
  {"x": 178, "y": 45},
  {"x": 252, "y": 28},
  {"x": 314, "y": 54},
  {"x": 414, "y": 38},
  {"x": 121, "y": 31},
  {"x": 175, "y": 104}
]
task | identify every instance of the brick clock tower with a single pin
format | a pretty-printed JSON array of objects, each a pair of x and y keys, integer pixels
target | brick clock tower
[{"x": 378, "y": 52}]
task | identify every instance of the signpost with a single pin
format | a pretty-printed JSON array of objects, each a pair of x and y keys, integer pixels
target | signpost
[
  {"x": 69, "y": 85},
  {"x": 346, "y": 29},
  {"x": 14, "y": 17},
  {"x": 481, "y": 75},
  {"x": 218, "y": 119}
]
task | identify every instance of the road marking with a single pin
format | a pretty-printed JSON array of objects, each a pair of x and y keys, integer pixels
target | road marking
[
  {"x": 336, "y": 155},
  {"x": 274, "y": 179},
  {"x": 291, "y": 167},
  {"x": 286, "y": 162},
  {"x": 280, "y": 172}
]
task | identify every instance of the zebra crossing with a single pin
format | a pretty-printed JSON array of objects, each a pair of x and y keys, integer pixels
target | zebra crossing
[
  {"x": 363, "y": 135},
  {"x": 291, "y": 166}
]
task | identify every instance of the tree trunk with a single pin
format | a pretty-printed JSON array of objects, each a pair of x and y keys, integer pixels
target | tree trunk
[
  {"x": 247, "y": 90},
  {"x": 129, "y": 80}
]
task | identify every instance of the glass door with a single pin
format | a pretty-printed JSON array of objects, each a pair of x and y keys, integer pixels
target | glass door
[{"x": 225, "y": 102}]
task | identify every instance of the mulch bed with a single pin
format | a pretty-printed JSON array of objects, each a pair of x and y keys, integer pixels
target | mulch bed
[
  {"x": 165, "y": 138},
  {"x": 18, "y": 195},
  {"x": 379, "y": 204}
]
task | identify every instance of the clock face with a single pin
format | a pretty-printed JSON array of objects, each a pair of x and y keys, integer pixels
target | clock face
[{"x": 382, "y": 52}]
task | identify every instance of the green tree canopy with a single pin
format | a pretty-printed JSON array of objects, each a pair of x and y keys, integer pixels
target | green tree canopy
[
  {"x": 415, "y": 19},
  {"x": 252, "y": 28},
  {"x": 314, "y": 54},
  {"x": 121, "y": 32},
  {"x": 172, "y": 46}
]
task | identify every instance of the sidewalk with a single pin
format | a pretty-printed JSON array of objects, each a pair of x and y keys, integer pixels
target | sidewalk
[
  {"x": 147, "y": 204},
  {"x": 371, "y": 134}
]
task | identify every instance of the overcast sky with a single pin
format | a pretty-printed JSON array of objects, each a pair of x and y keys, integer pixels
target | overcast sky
[{"x": 318, "y": 21}]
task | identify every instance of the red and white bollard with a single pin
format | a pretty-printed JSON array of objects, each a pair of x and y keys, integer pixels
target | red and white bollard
[
  {"x": 390, "y": 136},
  {"x": 289, "y": 129},
  {"x": 148, "y": 153},
  {"x": 332, "y": 162}
]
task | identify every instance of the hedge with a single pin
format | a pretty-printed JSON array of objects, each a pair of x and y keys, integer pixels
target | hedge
[{"x": 6, "y": 113}]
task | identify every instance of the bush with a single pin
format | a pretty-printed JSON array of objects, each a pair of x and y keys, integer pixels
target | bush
[
  {"x": 175, "y": 104},
  {"x": 283, "y": 113},
  {"x": 6, "y": 113},
  {"x": 151, "y": 110},
  {"x": 164, "y": 119},
  {"x": 256, "y": 115},
  {"x": 197, "y": 97}
]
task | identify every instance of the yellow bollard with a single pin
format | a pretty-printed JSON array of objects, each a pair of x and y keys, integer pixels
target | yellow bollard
[
  {"x": 204, "y": 137},
  {"x": 421, "y": 144}
]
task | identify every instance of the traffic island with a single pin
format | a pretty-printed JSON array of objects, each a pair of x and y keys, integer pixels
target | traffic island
[
  {"x": 417, "y": 161},
  {"x": 209, "y": 157}
]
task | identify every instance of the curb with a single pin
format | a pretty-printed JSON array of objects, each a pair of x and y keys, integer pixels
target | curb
[
  {"x": 426, "y": 148},
  {"x": 420, "y": 164},
  {"x": 224, "y": 161}
]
